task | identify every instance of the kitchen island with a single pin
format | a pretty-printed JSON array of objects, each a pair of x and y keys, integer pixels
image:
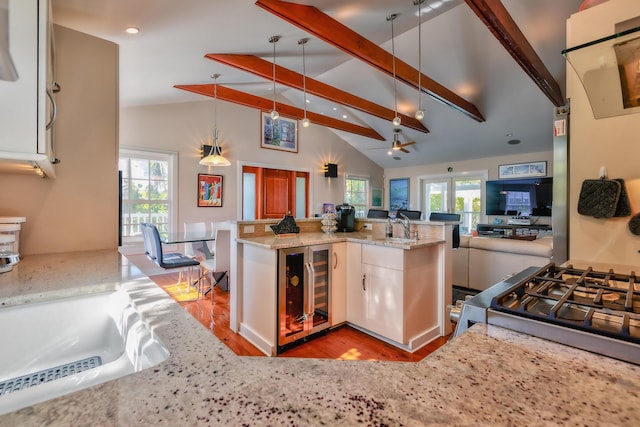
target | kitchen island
[
  {"x": 487, "y": 376},
  {"x": 394, "y": 289}
]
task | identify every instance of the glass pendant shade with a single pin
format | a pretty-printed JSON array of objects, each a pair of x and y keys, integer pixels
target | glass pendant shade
[
  {"x": 419, "y": 115},
  {"x": 396, "y": 121},
  {"x": 305, "y": 123},
  {"x": 215, "y": 160}
]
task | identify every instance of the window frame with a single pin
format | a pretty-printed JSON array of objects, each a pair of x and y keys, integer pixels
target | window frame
[
  {"x": 171, "y": 157},
  {"x": 367, "y": 182},
  {"x": 450, "y": 203}
]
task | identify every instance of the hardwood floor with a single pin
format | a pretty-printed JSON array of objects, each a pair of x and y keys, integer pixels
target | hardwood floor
[{"x": 344, "y": 342}]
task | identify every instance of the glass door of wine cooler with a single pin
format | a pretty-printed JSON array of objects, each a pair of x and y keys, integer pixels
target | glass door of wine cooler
[{"x": 303, "y": 292}]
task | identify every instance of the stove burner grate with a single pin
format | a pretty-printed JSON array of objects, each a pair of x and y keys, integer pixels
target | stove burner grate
[{"x": 604, "y": 303}]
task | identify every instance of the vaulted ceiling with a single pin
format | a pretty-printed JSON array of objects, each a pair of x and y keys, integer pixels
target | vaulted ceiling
[{"x": 491, "y": 70}]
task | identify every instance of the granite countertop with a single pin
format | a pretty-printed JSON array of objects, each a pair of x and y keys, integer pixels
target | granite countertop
[
  {"x": 486, "y": 376},
  {"x": 306, "y": 239}
]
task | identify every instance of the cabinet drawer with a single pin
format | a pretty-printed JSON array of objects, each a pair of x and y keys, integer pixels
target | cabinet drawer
[{"x": 383, "y": 256}]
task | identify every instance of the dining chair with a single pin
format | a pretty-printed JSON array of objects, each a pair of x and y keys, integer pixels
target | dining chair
[
  {"x": 445, "y": 216},
  {"x": 218, "y": 266},
  {"x": 409, "y": 214},
  {"x": 171, "y": 260}
]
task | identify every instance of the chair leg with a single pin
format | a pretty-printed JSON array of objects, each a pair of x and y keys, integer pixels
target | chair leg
[{"x": 214, "y": 282}]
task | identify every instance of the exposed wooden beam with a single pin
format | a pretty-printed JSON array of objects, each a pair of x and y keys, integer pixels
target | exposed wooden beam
[
  {"x": 285, "y": 76},
  {"x": 501, "y": 24},
  {"x": 322, "y": 26},
  {"x": 264, "y": 104}
]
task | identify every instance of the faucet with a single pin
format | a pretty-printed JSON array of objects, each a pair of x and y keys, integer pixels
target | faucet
[{"x": 406, "y": 227}]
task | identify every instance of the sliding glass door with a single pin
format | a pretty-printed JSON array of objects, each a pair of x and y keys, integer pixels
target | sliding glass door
[{"x": 462, "y": 194}]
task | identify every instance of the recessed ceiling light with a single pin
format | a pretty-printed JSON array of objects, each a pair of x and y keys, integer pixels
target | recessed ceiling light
[
  {"x": 396, "y": 158},
  {"x": 132, "y": 30},
  {"x": 513, "y": 141}
]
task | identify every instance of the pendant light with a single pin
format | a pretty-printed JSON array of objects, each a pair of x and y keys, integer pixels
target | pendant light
[
  {"x": 396, "y": 120},
  {"x": 419, "y": 112},
  {"x": 274, "y": 112},
  {"x": 305, "y": 120},
  {"x": 215, "y": 158}
]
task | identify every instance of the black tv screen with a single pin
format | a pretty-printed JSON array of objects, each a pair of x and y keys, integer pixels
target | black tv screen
[{"x": 521, "y": 197}]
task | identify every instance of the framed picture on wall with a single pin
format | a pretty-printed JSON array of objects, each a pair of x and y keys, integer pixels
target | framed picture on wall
[
  {"x": 209, "y": 190},
  {"x": 376, "y": 197},
  {"x": 280, "y": 134},
  {"x": 522, "y": 170},
  {"x": 398, "y": 194}
]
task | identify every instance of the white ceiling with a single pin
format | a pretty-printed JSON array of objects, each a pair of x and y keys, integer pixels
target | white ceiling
[{"x": 457, "y": 51}]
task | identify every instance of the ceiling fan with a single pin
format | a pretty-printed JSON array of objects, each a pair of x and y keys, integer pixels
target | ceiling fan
[{"x": 397, "y": 145}]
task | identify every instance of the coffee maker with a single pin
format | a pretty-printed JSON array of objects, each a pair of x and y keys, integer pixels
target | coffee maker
[{"x": 345, "y": 217}]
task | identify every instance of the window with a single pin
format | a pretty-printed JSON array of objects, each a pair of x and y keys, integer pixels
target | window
[
  {"x": 147, "y": 191},
  {"x": 356, "y": 193}
]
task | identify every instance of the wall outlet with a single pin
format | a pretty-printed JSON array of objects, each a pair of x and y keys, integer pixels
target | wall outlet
[
  {"x": 267, "y": 227},
  {"x": 368, "y": 226},
  {"x": 248, "y": 229}
]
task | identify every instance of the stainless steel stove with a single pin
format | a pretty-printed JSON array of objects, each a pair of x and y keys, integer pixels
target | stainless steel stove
[{"x": 597, "y": 311}]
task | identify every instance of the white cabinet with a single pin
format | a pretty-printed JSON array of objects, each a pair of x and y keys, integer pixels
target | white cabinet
[
  {"x": 338, "y": 284},
  {"x": 394, "y": 293},
  {"x": 24, "y": 108}
]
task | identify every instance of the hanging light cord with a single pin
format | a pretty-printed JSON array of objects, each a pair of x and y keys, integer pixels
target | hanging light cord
[
  {"x": 215, "y": 112},
  {"x": 304, "y": 78},
  {"x": 274, "y": 73},
  {"x": 419, "y": 2},
  {"x": 393, "y": 53},
  {"x": 274, "y": 112}
]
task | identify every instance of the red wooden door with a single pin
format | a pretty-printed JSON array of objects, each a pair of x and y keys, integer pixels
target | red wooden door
[{"x": 279, "y": 192}]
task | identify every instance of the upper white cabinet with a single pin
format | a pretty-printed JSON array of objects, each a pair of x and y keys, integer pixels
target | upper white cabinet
[{"x": 25, "y": 109}]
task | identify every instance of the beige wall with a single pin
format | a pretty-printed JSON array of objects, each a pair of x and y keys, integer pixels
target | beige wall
[
  {"x": 79, "y": 209},
  {"x": 610, "y": 142},
  {"x": 184, "y": 127}
]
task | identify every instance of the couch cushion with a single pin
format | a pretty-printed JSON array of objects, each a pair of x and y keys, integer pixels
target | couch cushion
[{"x": 539, "y": 247}]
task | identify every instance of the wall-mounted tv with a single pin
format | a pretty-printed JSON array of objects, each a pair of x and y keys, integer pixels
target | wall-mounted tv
[{"x": 522, "y": 197}]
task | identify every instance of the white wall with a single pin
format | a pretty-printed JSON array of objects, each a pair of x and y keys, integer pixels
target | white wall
[
  {"x": 611, "y": 142},
  {"x": 184, "y": 127},
  {"x": 489, "y": 164},
  {"x": 79, "y": 209}
]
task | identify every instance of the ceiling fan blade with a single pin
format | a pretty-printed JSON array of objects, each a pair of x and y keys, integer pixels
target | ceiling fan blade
[
  {"x": 407, "y": 144},
  {"x": 404, "y": 150}
]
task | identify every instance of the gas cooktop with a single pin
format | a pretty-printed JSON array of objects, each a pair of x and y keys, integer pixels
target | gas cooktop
[{"x": 597, "y": 311}]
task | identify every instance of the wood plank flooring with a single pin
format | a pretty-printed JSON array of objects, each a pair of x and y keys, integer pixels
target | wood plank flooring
[{"x": 344, "y": 342}]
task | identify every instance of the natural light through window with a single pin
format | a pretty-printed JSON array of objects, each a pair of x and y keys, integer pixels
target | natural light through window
[{"x": 356, "y": 193}]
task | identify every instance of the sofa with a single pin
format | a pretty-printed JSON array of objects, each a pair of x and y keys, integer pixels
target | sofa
[{"x": 480, "y": 262}]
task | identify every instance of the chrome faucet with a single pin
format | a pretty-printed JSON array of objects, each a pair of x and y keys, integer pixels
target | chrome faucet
[{"x": 406, "y": 227}]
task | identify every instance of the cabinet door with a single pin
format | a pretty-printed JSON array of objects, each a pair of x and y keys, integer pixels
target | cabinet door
[
  {"x": 19, "y": 98},
  {"x": 383, "y": 295},
  {"x": 355, "y": 290},
  {"x": 338, "y": 283}
]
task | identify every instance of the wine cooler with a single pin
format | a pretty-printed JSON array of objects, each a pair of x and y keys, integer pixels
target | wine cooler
[{"x": 304, "y": 284}]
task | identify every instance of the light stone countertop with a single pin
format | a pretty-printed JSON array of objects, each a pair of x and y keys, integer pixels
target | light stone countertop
[
  {"x": 487, "y": 376},
  {"x": 306, "y": 239}
]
